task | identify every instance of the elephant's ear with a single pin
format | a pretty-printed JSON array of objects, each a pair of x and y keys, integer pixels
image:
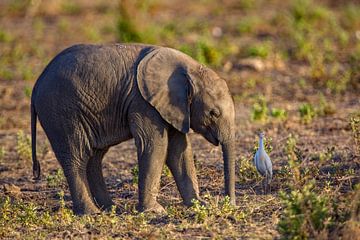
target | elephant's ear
[{"x": 163, "y": 82}]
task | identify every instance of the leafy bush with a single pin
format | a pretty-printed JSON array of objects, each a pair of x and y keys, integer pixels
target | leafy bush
[{"x": 307, "y": 214}]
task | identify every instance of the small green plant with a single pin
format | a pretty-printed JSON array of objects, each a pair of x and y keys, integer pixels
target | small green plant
[
  {"x": 65, "y": 215},
  {"x": 279, "y": 113},
  {"x": 56, "y": 179},
  {"x": 259, "y": 111},
  {"x": 327, "y": 155},
  {"x": 307, "y": 214},
  {"x": 23, "y": 146},
  {"x": 262, "y": 50},
  {"x": 201, "y": 212},
  {"x": 307, "y": 113}
]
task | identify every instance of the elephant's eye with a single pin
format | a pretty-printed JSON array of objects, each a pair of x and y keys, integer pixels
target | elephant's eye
[{"x": 214, "y": 113}]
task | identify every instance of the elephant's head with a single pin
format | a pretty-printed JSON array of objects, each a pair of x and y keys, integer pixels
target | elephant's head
[{"x": 190, "y": 95}]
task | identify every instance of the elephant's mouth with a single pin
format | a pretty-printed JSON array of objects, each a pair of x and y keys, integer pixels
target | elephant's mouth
[{"x": 211, "y": 138}]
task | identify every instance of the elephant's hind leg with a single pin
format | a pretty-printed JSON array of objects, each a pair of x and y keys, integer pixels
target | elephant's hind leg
[
  {"x": 75, "y": 173},
  {"x": 96, "y": 180}
]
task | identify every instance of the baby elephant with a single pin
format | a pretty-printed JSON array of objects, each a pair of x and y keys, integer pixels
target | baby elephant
[{"x": 91, "y": 97}]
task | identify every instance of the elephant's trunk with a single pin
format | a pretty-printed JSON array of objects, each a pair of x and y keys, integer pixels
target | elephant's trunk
[{"x": 228, "y": 148}]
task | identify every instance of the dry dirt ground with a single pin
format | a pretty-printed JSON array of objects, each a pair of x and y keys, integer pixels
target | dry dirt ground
[{"x": 325, "y": 145}]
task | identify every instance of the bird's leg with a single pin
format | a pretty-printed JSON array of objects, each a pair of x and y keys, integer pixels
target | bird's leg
[
  {"x": 268, "y": 184},
  {"x": 264, "y": 183}
]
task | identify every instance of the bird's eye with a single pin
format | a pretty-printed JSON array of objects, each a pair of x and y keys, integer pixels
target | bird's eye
[{"x": 215, "y": 113}]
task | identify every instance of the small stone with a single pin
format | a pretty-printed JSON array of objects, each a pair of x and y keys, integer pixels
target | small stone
[
  {"x": 255, "y": 64},
  {"x": 228, "y": 66},
  {"x": 217, "y": 32}
]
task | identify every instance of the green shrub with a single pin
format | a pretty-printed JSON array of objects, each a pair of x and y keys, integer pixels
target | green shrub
[
  {"x": 279, "y": 113},
  {"x": 306, "y": 214}
]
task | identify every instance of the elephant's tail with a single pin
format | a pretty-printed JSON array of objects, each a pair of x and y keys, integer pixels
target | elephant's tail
[{"x": 36, "y": 164}]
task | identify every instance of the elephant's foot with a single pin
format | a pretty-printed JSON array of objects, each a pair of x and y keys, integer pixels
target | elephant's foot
[
  {"x": 155, "y": 207},
  {"x": 85, "y": 209}
]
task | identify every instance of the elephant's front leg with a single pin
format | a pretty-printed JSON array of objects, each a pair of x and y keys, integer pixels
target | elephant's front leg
[
  {"x": 151, "y": 159},
  {"x": 181, "y": 163}
]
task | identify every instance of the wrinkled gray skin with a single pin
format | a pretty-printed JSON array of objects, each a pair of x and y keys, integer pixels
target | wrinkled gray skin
[{"x": 91, "y": 97}]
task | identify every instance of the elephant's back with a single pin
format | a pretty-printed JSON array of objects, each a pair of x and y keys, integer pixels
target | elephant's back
[
  {"x": 88, "y": 82},
  {"x": 88, "y": 67},
  {"x": 85, "y": 72}
]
